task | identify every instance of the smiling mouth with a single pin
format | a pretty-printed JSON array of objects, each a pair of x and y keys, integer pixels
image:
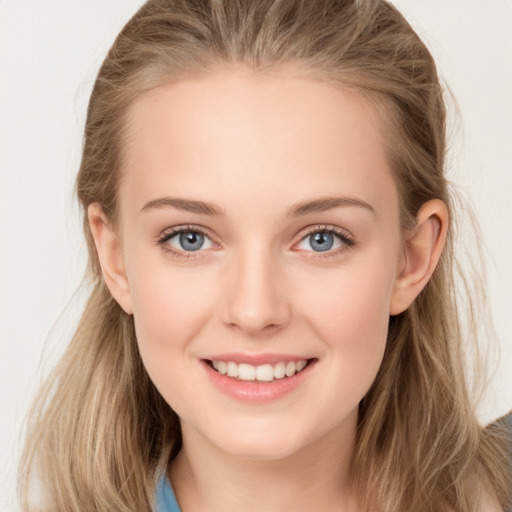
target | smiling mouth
[{"x": 260, "y": 373}]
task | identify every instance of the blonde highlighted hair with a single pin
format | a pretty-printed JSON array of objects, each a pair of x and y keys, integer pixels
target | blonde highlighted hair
[{"x": 100, "y": 431}]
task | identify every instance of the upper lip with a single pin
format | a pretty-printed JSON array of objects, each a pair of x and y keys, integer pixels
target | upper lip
[{"x": 256, "y": 359}]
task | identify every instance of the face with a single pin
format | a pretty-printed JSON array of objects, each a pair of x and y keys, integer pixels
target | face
[{"x": 260, "y": 233}]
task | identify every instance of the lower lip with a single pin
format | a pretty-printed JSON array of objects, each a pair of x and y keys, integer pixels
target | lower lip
[{"x": 255, "y": 391}]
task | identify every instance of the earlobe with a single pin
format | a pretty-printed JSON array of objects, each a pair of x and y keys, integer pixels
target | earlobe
[
  {"x": 422, "y": 249},
  {"x": 110, "y": 256}
]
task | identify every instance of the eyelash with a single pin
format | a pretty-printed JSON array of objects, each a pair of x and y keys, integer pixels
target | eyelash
[
  {"x": 345, "y": 237},
  {"x": 167, "y": 235}
]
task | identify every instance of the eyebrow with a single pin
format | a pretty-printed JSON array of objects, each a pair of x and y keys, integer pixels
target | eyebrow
[
  {"x": 326, "y": 203},
  {"x": 299, "y": 209},
  {"x": 188, "y": 205}
]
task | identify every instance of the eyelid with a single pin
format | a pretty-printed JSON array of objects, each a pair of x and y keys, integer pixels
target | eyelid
[
  {"x": 326, "y": 228},
  {"x": 347, "y": 239},
  {"x": 183, "y": 228},
  {"x": 169, "y": 233}
]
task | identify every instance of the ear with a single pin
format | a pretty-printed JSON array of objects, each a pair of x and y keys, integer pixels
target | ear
[
  {"x": 422, "y": 249},
  {"x": 110, "y": 255}
]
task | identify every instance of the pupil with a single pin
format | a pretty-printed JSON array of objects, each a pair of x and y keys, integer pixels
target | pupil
[
  {"x": 191, "y": 241},
  {"x": 322, "y": 241}
]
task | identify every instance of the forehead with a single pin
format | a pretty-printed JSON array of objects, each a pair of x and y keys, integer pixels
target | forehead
[{"x": 244, "y": 133}]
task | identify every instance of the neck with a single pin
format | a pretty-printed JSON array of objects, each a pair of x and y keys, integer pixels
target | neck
[{"x": 316, "y": 477}]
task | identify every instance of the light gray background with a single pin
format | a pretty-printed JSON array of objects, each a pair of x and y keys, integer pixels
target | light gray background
[{"x": 49, "y": 54}]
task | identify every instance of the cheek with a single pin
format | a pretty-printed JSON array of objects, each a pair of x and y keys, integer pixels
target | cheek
[
  {"x": 169, "y": 310},
  {"x": 351, "y": 316},
  {"x": 355, "y": 298}
]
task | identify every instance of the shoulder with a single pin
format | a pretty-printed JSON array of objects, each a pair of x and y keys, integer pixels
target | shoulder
[
  {"x": 503, "y": 426},
  {"x": 506, "y": 421},
  {"x": 165, "y": 499}
]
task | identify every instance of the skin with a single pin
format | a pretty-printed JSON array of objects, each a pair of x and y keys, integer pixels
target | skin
[{"x": 255, "y": 146}]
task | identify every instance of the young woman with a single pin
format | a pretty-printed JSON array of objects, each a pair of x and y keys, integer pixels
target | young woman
[{"x": 272, "y": 324}]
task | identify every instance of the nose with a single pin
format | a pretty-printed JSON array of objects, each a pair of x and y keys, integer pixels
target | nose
[{"x": 257, "y": 299}]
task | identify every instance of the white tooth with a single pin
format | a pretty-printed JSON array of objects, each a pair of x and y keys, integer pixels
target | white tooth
[
  {"x": 265, "y": 372},
  {"x": 279, "y": 370},
  {"x": 215, "y": 364},
  {"x": 300, "y": 365},
  {"x": 222, "y": 368},
  {"x": 290, "y": 369},
  {"x": 246, "y": 372},
  {"x": 232, "y": 369}
]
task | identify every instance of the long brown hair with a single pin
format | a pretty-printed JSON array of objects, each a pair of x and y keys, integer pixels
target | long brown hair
[{"x": 100, "y": 430}]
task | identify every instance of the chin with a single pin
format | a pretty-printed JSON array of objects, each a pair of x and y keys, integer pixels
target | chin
[
  {"x": 253, "y": 451},
  {"x": 260, "y": 445}
]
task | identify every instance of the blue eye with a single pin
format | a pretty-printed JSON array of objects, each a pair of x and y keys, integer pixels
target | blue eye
[
  {"x": 184, "y": 240},
  {"x": 188, "y": 240},
  {"x": 325, "y": 239},
  {"x": 191, "y": 241},
  {"x": 321, "y": 241}
]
